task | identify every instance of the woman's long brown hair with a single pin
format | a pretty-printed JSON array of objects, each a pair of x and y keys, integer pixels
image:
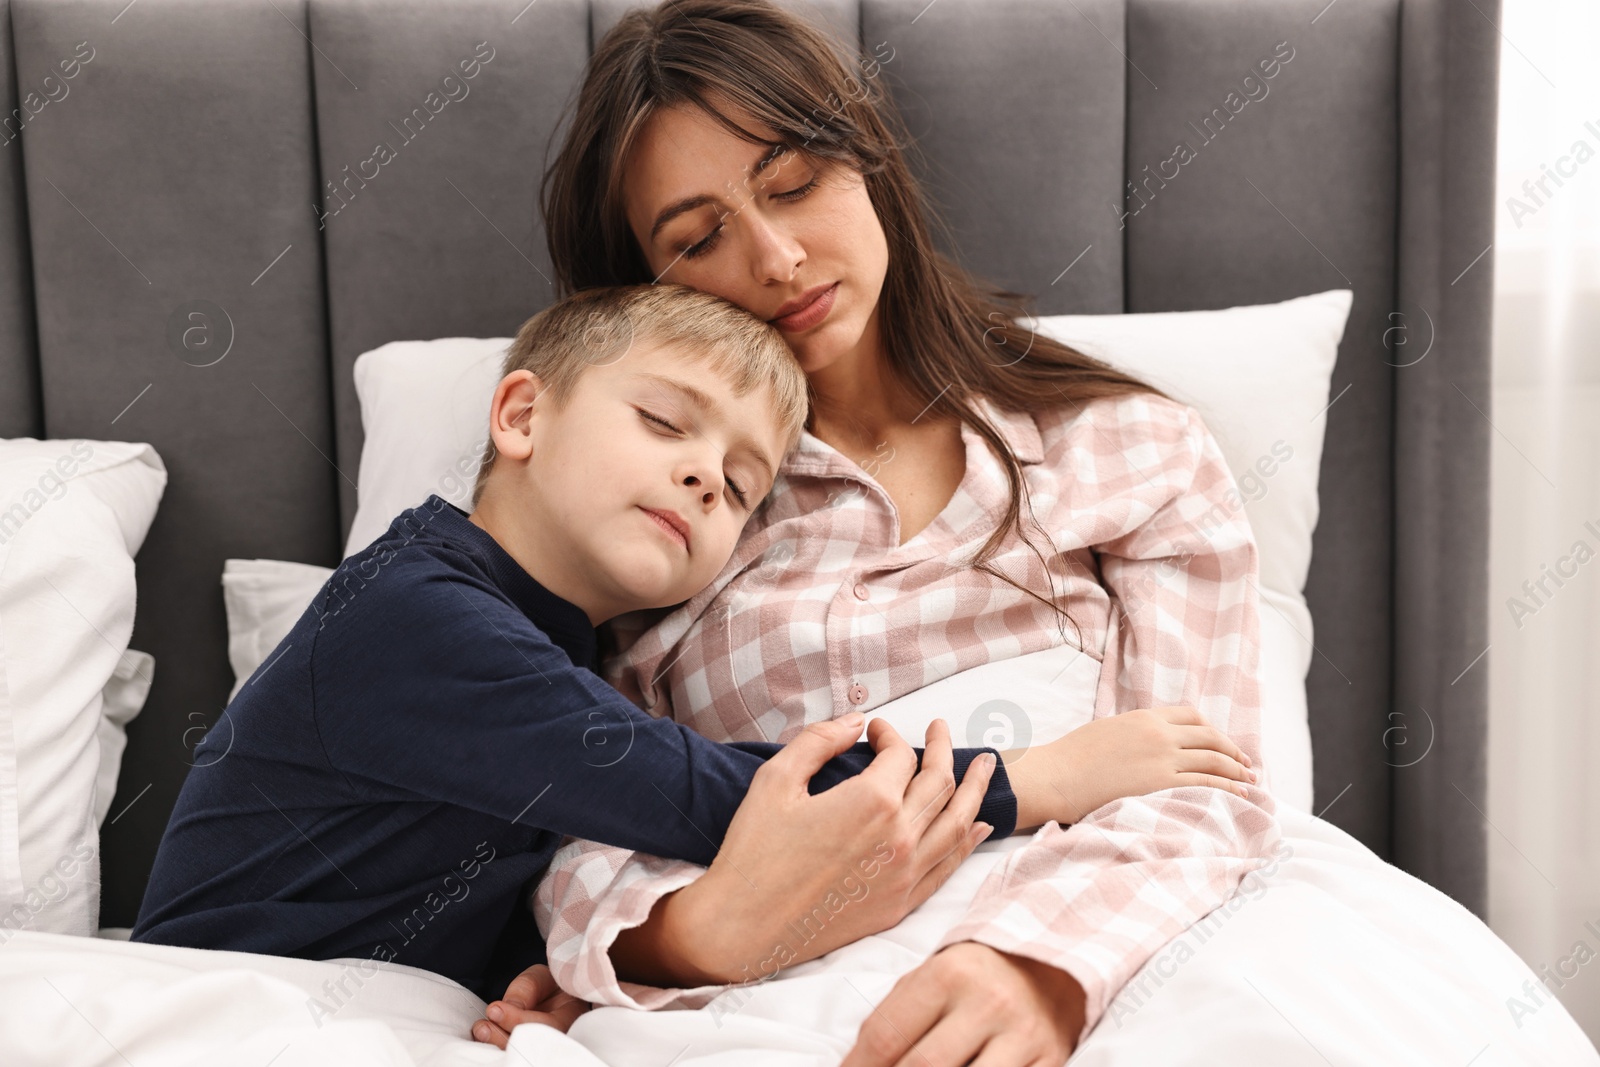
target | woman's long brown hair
[{"x": 950, "y": 339}]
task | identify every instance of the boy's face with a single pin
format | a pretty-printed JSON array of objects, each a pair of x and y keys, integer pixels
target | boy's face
[{"x": 642, "y": 482}]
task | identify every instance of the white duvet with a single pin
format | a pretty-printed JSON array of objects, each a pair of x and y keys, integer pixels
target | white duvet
[
  {"x": 1330, "y": 956},
  {"x": 1334, "y": 958}
]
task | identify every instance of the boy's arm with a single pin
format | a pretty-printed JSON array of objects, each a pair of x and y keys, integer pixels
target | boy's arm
[{"x": 430, "y": 681}]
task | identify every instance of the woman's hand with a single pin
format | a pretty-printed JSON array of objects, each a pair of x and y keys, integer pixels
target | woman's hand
[
  {"x": 970, "y": 1003},
  {"x": 532, "y": 997},
  {"x": 800, "y": 875},
  {"x": 1126, "y": 755}
]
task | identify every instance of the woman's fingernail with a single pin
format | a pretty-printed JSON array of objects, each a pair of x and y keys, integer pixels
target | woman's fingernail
[
  {"x": 495, "y": 1013},
  {"x": 481, "y": 1031},
  {"x": 1248, "y": 762},
  {"x": 1254, "y": 777},
  {"x": 852, "y": 718},
  {"x": 984, "y": 831}
]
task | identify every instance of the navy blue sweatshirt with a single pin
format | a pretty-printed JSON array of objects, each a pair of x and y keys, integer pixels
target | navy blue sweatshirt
[{"x": 395, "y": 776}]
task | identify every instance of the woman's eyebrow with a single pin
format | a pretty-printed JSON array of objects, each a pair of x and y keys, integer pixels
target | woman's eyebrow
[{"x": 689, "y": 203}]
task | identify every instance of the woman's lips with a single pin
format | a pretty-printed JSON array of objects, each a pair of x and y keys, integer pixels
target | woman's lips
[
  {"x": 809, "y": 315},
  {"x": 667, "y": 527}
]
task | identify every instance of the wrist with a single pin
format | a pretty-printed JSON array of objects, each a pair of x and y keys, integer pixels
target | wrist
[
  {"x": 1061, "y": 990},
  {"x": 694, "y": 940},
  {"x": 679, "y": 945},
  {"x": 1030, "y": 787}
]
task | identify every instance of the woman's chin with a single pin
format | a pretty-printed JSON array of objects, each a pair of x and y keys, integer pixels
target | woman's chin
[{"x": 817, "y": 352}]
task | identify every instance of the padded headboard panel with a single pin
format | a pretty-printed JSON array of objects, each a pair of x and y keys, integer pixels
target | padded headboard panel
[{"x": 221, "y": 160}]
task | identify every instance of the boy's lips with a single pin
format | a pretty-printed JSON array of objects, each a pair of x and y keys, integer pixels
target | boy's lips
[{"x": 671, "y": 523}]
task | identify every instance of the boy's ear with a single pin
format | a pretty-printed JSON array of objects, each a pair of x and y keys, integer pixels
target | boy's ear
[{"x": 517, "y": 398}]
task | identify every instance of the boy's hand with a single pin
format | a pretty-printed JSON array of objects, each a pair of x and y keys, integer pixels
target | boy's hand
[
  {"x": 1126, "y": 755},
  {"x": 532, "y": 997}
]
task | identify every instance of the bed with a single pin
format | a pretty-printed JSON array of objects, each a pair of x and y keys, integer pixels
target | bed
[{"x": 1044, "y": 127}]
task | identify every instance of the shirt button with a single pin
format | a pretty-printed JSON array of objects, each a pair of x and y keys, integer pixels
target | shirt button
[
  {"x": 858, "y": 694},
  {"x": 861, "y": 591}
]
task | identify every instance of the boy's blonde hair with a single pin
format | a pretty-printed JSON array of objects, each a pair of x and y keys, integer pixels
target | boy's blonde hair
[{"x": 599, "y": 326}]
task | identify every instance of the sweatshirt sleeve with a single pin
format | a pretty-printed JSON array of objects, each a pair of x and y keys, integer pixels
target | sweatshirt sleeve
[
  {"x": 1098, "y": 898},
  {"x": 437, "y": 686}
]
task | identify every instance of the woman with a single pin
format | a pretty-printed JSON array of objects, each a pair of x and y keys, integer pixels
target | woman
[{"x": 964, "y": 492}]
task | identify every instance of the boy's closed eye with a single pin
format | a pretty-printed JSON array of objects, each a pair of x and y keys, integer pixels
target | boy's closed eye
[{"x": 738, "y": 491}]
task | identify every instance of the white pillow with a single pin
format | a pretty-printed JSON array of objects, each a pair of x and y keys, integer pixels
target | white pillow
[
  {"x": 425, "y": 412},
  {"x": 1285, "y": 714},
  {"x": 1259, "y": 377},
  {"x": 263, "y": 599},
  {"x": 73, "y": 513},
  {"x": 122, "y": 699}
]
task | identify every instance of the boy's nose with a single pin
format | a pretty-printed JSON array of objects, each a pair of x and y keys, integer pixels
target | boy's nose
[{"x": 707, "y": 497}]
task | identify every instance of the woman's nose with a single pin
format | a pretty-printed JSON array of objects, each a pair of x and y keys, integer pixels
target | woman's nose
[{"x": 778, "y": 255}]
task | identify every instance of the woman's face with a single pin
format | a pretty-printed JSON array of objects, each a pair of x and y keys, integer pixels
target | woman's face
[{"x": 706, "y": 217}]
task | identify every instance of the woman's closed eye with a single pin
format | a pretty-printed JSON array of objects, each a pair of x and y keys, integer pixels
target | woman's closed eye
[
  {"x": 700, "y": 248},
  {"x": 656, "y": 420}
]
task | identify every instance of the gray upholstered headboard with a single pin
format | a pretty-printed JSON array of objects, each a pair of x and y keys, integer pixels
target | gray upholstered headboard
[{"x": 190, "y": 160}]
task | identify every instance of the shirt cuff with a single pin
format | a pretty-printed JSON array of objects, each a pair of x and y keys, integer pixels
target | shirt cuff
[
  {"x": 999, "y": 807},
  {"x": 580, "y": 952}
]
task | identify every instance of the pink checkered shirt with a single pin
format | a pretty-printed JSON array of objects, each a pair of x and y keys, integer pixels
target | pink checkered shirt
[{"x": 822, "y": 610}]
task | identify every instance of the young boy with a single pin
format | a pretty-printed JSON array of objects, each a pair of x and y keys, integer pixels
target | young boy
[{"x": 394, "y": 776}]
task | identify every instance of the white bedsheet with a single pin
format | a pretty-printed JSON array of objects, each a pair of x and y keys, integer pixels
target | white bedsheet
[
  {"x": 79, "y": 1001},
  {"x": 1335, "y": 957},
  {"x": 1329, "y": 957}
]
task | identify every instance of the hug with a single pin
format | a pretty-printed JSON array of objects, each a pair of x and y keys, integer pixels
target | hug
[{"x": 647, "y": 450}]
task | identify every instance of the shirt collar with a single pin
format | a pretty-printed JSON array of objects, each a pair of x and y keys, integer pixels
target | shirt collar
[{"x": 562, "y": 621}]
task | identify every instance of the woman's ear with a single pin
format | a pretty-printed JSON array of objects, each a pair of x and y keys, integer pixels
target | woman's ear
[{"x": 516, "y": 400}]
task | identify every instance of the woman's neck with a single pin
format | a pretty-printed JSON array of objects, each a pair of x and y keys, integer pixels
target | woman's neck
[{"x": 857, "y": 401}]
